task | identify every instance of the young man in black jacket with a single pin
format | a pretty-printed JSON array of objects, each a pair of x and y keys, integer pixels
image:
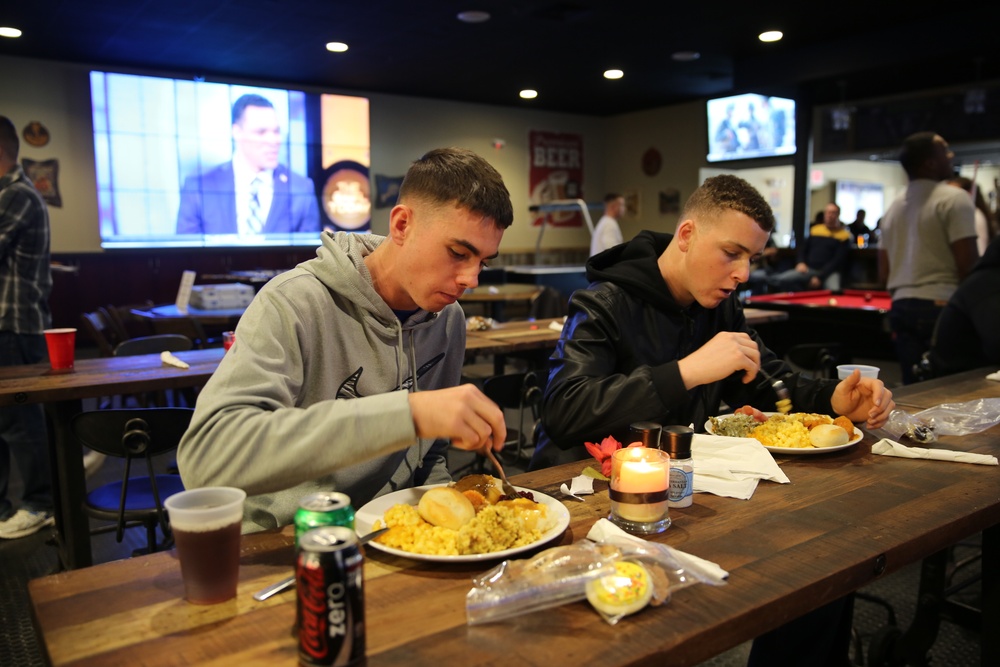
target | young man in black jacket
[{"x": 660, "y": 336}]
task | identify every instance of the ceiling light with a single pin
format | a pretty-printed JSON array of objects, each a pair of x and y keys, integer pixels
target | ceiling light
[
  {"x": 10, "y": 32},
  {"x": 770, "y": 36},
  {"x": 685, "y": 56},
  {"x": 613, "y": 74},
  {"x": 528, "y": 94},
  {"x": 473, "y": 16},
  {"x": 336, "y": 47}
]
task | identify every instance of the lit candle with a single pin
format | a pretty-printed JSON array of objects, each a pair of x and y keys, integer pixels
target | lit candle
[{"x": 640, "y": 470}]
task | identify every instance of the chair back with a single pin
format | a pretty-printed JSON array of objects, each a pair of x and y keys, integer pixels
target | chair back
[
  {"x": 519, "y": 391},
  {"x": 98, "y": 326},
  {"x": 819, "y": 359},
  {"x": 153, "y": 345},
  {"x": 185, "y": 326},
  {"x": 549, "y": 302},
  {"x": 127, "y": 323}
]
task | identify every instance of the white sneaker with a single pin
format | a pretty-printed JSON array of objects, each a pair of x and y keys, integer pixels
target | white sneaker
[{"x": 24, "y": 523}]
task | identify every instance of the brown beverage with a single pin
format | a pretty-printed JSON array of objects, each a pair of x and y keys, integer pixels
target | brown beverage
[{"x": 210, "y": 562}]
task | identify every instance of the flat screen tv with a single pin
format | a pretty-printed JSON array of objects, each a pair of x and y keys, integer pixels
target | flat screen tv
[
  {"x": 190, "y": 163},
  {"x": 750, "y": 126}
]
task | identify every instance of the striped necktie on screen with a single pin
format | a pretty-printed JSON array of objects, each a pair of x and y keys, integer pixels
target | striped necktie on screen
[{"x": 255, "y": 220}]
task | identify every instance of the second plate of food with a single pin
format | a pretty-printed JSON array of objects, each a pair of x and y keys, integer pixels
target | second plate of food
[{"x": 798, "y": 451}]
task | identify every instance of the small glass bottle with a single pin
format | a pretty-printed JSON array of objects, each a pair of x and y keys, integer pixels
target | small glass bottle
[
  {"x": 648, "y": 433},
  {"x": 677, "y": 442}
]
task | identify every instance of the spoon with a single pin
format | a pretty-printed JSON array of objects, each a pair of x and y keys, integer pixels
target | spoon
[{"x": 288, "y": 582}]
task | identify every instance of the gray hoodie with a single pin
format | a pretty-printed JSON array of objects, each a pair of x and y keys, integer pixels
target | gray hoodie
[{"x": 313, "y": 395}]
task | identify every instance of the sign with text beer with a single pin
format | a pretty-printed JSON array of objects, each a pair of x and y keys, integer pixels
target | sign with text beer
[{"x": 556, "y": 173}]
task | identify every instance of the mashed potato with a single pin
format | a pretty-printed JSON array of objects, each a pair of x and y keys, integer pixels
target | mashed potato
[
  {"x": 791, "y": 430},
  {"x": 505, "y": 525}
]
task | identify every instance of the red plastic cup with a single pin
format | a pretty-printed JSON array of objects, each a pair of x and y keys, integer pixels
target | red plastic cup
[
  {"x": 62, "y": 347},
  {"x": 228, "y": 338}
]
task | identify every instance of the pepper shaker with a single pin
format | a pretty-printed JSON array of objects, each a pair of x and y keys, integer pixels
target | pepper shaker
[{"x": 648, "y": 433}]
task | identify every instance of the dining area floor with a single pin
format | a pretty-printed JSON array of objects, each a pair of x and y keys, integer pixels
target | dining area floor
[{"x": 36, "y": 556}]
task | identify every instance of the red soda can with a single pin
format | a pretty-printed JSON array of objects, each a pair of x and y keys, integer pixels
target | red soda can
[{"x": 330, "y": 612}]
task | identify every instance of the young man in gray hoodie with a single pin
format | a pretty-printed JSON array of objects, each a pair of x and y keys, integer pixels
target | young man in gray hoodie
[{"x": 345, "y": 373}]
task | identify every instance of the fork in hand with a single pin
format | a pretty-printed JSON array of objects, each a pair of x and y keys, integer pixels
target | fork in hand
[{"x": 784, "y": 402}]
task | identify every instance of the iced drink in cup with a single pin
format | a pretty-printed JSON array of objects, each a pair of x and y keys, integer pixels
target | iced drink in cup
[{"x": 206, "y": 526}]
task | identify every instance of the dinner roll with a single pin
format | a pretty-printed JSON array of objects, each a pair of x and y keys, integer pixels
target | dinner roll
[
  {"x": 828, "y": 435},
  {"x": 446, "y": 507}
]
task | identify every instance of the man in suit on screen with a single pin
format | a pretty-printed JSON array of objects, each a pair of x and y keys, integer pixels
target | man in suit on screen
[{"x": 251, "y": 194}]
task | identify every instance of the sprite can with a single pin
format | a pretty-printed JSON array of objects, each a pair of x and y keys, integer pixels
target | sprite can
[{"x": 326, "y": 508}]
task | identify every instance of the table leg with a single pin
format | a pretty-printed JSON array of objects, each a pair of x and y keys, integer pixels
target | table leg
[
  {"x": 989, "y": 638},
  {"x": 69, "y": 486}
]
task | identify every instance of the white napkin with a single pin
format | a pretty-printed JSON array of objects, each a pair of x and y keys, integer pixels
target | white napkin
[
  {"x": 887, "y": 447},
  {"x": 994, "y": 376},
  {"x": 604, "y": 531},
  {"x": 581, "y": 485},
  {"x": 171, "y": 360},
  {"x": 556, "y": 325},
  {"x": 732, "y": 467}
]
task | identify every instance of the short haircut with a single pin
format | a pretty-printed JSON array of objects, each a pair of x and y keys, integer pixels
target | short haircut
[
  {"x": 9, "y": 142},
  {"x": 610, "y": 197},
  {"x": 460, "y": 177},
  {"x": 917, "y": 148},
  {"x": 833, "y": 203},
  {"x": 248, "y": 100},
  {"x": 728, "y": 192}
]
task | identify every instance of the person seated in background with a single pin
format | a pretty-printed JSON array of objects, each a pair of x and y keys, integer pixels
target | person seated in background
[
  {"x": 345, "y": 372},
  {"x": 967, "y": 334},
  {"x": 858, "y": 228},
  {"x": 660, "y": 336},
  {"x": 985, "y": 227},
  {"x": 763, "y": 267},
  {"x": 251, "y": 194},
  {"x": 608, "y": 233},
  {"x": 822, "y": 257}
]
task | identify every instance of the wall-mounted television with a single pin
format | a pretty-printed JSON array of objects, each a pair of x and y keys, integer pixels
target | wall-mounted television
[
  {"x": 750, "y": 126},
  {"x": 190, "y": 163}
]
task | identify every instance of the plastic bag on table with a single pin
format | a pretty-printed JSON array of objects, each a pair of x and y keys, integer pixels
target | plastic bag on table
[
  {"x": 946, "y": 419},
  {"x": 560, "y": 575}
]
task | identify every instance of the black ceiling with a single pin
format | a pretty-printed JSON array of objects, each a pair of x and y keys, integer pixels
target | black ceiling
[{"x": 832, "y": 51}]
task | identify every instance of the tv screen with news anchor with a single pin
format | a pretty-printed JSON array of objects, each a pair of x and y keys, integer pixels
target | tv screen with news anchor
[
  {"x": 748, "y": 126},
  {"x": 190, "y": 163}
]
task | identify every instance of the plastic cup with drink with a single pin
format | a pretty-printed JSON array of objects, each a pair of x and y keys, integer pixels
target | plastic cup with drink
[
  {"x": 62, "y": 347},
  {"x": 206, "y": 527}
]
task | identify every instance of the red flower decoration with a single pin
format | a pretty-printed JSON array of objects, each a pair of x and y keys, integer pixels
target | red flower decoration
[{"x": 603, "y": 453}]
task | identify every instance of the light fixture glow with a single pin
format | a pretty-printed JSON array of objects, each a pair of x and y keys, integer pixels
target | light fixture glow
[
  {"x": 473, "y": 16},
  {"x": 685, "y": 56},
  {"x": 770, "y": 36},
  {"x": 336, "y": 47},
  {"x": 528, "y": 94},
  {"x": 613, "y": 74},
  {"x": 9, "y": 32}
]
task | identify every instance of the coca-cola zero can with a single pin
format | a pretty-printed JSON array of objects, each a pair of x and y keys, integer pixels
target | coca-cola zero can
[{"x": 330, "y": 613}]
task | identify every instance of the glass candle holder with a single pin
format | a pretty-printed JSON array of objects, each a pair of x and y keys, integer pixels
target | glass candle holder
[{"x": 640, "y": 483}]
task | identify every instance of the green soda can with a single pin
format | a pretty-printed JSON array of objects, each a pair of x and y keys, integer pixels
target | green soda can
[{"x": 326, "y": 508}]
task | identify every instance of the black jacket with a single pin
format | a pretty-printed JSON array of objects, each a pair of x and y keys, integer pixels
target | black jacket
[{"x": 616, "y": 362}]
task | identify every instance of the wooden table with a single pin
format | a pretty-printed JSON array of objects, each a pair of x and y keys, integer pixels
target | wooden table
[
  {"x": 226, "y": 317},
  {"x": 846, "y": 519},
  {"x": 62, "y": 392},
  {"x": 494, "y": 297}
]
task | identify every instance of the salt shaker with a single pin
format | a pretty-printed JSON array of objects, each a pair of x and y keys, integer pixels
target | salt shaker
[{"x": 677, "y": 442}]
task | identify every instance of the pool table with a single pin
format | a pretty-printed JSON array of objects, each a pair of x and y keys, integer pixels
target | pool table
[{"x": 857, "y": 318}]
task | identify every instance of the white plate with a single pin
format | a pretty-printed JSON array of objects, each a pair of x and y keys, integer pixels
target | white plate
[
  {"x": 801, "y": 451},
  {"x": 375, "y": 510}
]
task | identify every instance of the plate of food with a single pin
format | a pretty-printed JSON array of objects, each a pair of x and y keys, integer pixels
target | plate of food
[
  {"x": 797, "y": 433},
  {"x": 461, "y": 522}
]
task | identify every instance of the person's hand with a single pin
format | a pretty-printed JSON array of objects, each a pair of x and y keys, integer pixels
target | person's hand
[
  {"x": 726, "y": 353},
  {"x": 802, "y": 267},
  {"x": 463, "y": 414},
  {"x": 863, "y": 400}
]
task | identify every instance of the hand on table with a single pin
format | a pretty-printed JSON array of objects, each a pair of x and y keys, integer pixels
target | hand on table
[
  {"x": 863, "y": 400},
  {"x": 463, "y": 414},
  {"x": 726, "y": 353}
]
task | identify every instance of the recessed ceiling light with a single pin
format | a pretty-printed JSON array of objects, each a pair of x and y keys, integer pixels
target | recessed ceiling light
[
  {"x": 528, "y": 94},
  {"x": 685, "y": 56},
  {"x": 10, "y": 32},
  {"x": 770, "y": 36},
  {"x": 473, "y": 16},
  {"x": 613, "y": 74},
  {"x": 336, "y": 47}
]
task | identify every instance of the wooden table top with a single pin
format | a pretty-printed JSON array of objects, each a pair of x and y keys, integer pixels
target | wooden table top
[
  {"x": 224, "y": 316},
  {"x": 504, "y": 292},
  {"x": 845, "y": 519},
  {"x": 511, "y": 337}
]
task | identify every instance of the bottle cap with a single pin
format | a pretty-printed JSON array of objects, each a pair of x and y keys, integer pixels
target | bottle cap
[
  {"x": 648, "y": 433},
  {"x": 677, "y": 441}
]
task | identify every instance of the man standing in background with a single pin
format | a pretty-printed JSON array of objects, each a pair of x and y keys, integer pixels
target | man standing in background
[
  {"x": 252, "y": 194},
  {"x": 928, "y": 246},
  {"x": 607, "y": 233},
  {"x": 25, "y": 283}
]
